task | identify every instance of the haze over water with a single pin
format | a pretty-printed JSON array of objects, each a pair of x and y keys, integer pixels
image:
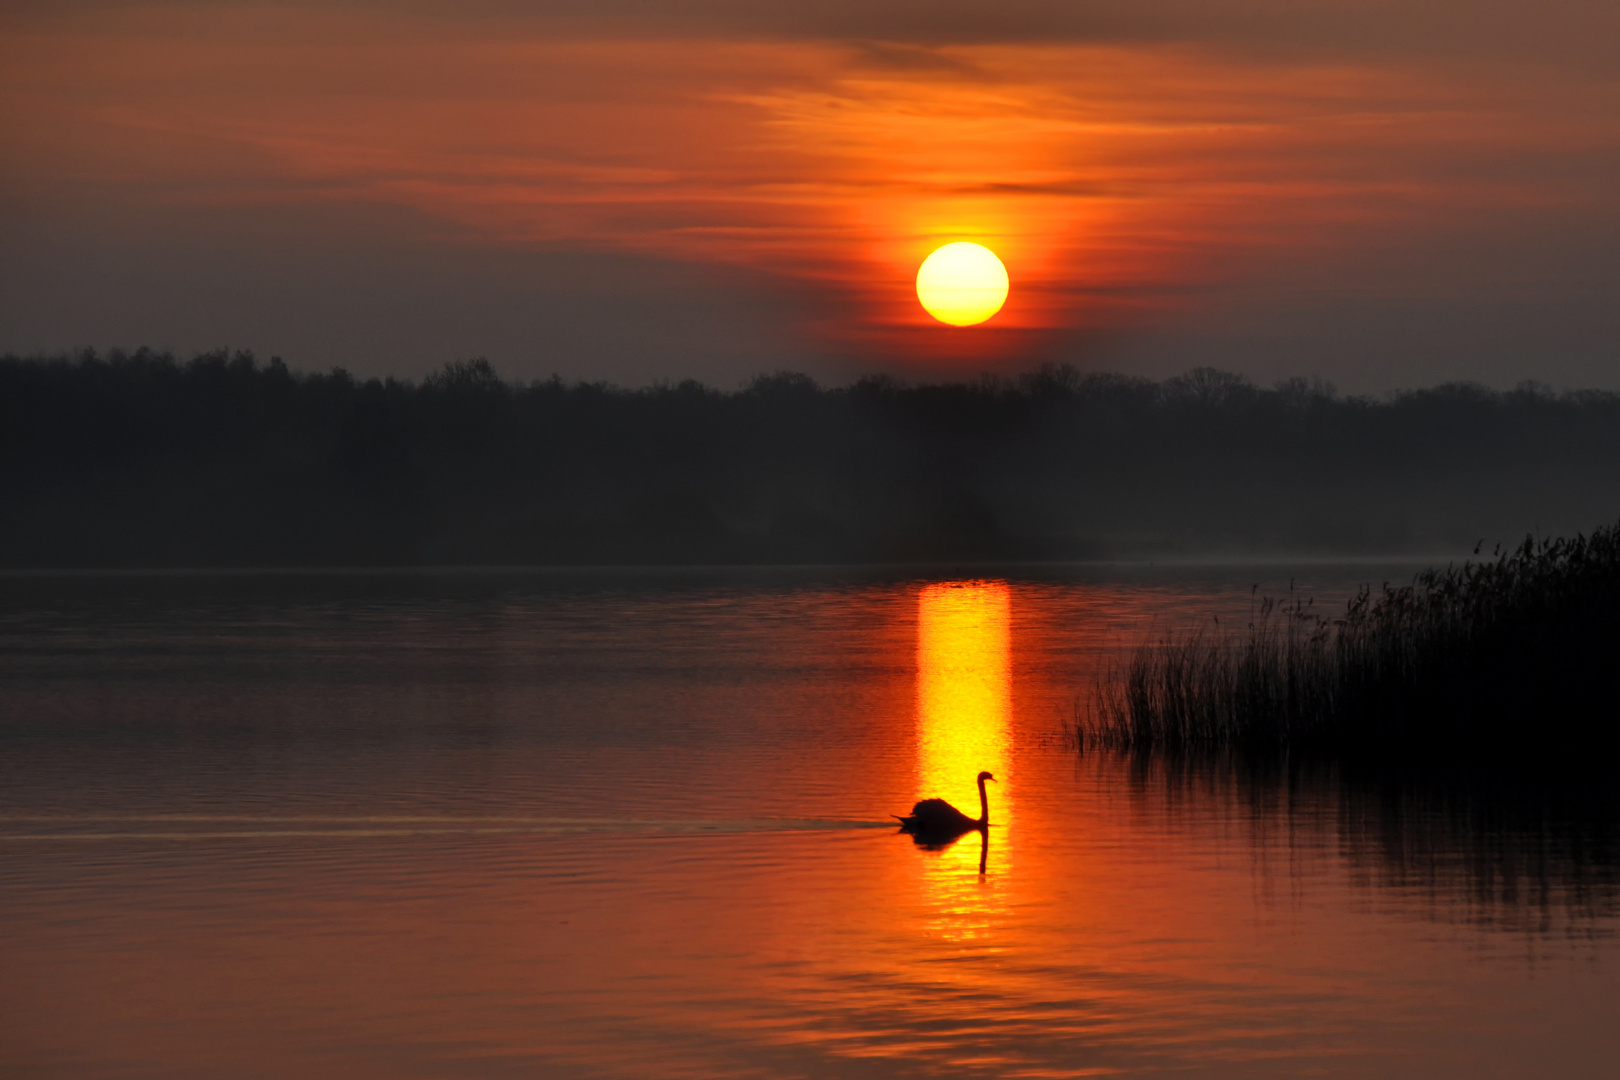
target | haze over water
[{"x": 636, "y": 823}]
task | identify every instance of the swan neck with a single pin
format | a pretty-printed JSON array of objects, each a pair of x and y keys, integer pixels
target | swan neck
[{"x": 984, "y": 804}]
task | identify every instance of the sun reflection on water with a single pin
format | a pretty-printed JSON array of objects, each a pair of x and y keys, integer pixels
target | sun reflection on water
[{"x": 964, "y": 707}]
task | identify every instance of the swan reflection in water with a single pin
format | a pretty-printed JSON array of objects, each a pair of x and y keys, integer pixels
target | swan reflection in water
[{"x": 936, "y": 824}]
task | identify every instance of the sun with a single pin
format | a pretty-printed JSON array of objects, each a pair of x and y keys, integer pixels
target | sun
[{"x": 962, "y": 284}]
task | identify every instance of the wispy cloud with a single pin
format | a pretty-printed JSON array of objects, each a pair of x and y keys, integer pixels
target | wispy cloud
[{"x": 1115, "y": 176}]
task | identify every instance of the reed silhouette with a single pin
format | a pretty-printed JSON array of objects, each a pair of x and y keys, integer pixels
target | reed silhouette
[
  {"x": 937, "y": 822},
  {"x": 1504, "y": 658}
]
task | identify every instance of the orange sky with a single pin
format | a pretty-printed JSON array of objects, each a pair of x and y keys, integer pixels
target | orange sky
[{"x": 1137, "y": 187}]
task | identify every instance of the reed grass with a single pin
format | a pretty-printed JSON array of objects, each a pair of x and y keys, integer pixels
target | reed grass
[{"x": 1515, "y": 655}]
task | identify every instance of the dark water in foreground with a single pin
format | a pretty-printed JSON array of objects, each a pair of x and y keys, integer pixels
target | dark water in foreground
[{"x": 634, "y": 825}]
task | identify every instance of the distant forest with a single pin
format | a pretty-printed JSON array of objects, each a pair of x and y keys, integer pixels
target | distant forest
[{"x": 141, "y": 460}]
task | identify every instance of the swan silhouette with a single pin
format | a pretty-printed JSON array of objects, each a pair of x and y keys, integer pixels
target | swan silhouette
[{"x": 934, "y": 821}]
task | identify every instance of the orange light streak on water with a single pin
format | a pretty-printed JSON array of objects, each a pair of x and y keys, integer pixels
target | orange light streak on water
[{"x": 964, "y": 716}]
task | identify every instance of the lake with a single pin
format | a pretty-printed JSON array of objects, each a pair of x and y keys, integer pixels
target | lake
[{"x": 637, "y": 823}]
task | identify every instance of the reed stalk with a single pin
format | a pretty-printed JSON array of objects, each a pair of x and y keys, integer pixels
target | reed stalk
[{"x": 1512, "y": 655}]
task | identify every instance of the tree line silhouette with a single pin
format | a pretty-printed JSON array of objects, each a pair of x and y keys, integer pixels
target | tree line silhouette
[{"x": 140, "y": 459}]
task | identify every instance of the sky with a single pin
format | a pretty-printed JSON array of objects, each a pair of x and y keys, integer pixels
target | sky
[{"x": 1381, "y": 194}]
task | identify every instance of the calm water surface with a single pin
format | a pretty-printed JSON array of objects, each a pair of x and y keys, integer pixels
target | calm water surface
[{"x": 635, "y": 824}]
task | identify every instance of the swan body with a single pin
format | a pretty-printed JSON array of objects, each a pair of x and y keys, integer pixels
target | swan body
[{"x": 932, "y": 820}]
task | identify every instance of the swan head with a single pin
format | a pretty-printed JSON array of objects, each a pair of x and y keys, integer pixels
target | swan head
[{"x": 985, "y": 776}]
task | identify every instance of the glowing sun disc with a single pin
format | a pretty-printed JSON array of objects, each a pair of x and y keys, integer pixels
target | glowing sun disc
[{"x": 962, "y": 284}]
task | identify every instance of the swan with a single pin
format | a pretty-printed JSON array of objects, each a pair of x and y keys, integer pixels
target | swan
[{"x": 936, "y": 819}]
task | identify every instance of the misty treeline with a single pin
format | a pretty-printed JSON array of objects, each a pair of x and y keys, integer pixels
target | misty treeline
[{"x": 143, "y": 460}]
